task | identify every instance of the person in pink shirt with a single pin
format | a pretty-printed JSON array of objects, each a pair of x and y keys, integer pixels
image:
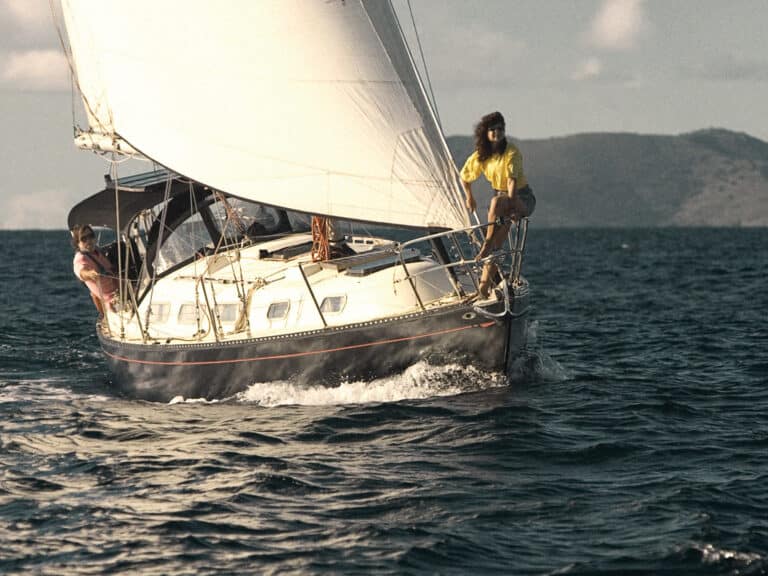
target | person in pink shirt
[{"x": 93, "y": 268}]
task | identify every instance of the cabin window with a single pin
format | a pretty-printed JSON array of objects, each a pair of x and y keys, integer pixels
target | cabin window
[
  {"x": 278, "y": 310},
  {"x": 235, "y": 218},
  {"x": 227, "y": 312},
  {"x": 159, "y": 312},
  {"x": 182, "y": 243},
  {"x": 188, "y": 314},
  {"x": 333, "y": 304}
]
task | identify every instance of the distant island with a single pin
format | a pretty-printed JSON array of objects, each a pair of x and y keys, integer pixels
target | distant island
[{"x": 710, "y": 177}]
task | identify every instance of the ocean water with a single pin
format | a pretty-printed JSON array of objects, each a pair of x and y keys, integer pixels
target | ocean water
[{"x": 638, "y": 446}]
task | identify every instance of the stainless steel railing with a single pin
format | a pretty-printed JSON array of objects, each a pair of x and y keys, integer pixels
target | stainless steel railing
[{"x": 513, "y": 251}]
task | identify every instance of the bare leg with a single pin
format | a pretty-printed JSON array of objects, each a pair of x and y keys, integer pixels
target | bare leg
[
  {"x": 98, "y": 303},
  {"x": 334, "y": 232},
  {"x": 502, "y": 207},
  {"x": 489, "y": 276}
]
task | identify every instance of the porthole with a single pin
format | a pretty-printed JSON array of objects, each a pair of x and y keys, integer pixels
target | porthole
[
  {"x": 188, "y": 314},
  {"x": 278, "y": 310},
  {"x": 159, "y": 312},
  {"x": 227, "y": 312},
  {"x": 333, "y": 304}
]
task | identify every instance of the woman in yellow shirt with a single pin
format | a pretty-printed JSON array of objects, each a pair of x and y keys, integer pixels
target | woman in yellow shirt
[{"x": 502, "y": 164}]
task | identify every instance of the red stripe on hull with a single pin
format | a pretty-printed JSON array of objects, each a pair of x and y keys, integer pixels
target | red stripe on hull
[{"x": 297, "y": 354}]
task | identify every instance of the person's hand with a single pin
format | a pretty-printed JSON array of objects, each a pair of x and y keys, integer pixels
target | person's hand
[
  {"x": 89, "y": 275},
  {"x": 471, "y": 204}
]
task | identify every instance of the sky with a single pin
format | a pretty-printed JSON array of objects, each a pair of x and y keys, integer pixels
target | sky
[{"x": 553, "y": 67}]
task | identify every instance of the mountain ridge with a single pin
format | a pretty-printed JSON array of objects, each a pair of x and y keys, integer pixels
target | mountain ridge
[{"x": 710, "y": 177}]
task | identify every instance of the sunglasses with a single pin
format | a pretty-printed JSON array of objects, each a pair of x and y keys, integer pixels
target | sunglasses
[
  {"x": 495, "y": 128},
  {"x": 87, "y": 236}
]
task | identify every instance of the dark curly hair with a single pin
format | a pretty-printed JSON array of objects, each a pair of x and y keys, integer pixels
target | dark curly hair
[
  {"x": 485, "y": 148},
  {"x": 78, "y": 231}
]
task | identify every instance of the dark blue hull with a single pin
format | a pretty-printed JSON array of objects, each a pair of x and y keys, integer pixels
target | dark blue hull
[{"x": 160, "y": 372}]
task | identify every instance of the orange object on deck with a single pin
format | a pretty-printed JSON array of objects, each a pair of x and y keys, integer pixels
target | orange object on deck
[{"x": 321, "y": 249}]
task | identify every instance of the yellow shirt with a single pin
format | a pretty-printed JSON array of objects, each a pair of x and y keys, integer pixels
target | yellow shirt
[{"x": 497, "y": 168}]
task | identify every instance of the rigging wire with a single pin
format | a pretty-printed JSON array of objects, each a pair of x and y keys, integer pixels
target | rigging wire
[
  {"x": 160, "y": 234},
  {"x": 73, "y": 75},
  {"x": 118, "y": 239},
  {"x": 72, "y": 96},
  {"x": 424, "y": 64},
  {"x": 92, "y": 117},
  {"x": 431, "y": 98}
]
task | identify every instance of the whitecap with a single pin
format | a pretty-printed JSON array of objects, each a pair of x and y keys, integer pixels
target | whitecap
[
  {"x": 422, "y": 380},
  {"x": 43, "y": 390},
  {"x": 182, "y": 400},
  {"x": 712, "y": 555},
  {"x": 535, "y": 364}
]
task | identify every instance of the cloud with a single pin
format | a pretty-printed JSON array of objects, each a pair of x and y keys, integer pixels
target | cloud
[
  {"x": 617, "y": 25},
  {"x": 595, "y": 71},
  {"x": 27, "y": 24},
  {"x": 43, "y": 70},
  {"x": 33, "y": 16},
  {"x": 588, "y": 69}
]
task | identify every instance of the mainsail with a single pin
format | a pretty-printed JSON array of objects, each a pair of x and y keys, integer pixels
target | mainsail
[{"x": 312, "y": 105}]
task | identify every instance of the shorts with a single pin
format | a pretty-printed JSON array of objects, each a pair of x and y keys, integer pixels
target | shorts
[{"x": 525, "y": 195}]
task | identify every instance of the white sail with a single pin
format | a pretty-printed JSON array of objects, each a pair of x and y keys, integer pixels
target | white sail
[{"x": 312, "y": 105}]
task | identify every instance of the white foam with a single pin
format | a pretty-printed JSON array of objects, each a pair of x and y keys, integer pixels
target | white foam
[
  {"x": 421, "y": 380},
  {"x": 536, "y": 364},
  {"x": 712, "y": 555},
  {"x": 44, "y": 390},
  {"x": 182, "y": 400}
]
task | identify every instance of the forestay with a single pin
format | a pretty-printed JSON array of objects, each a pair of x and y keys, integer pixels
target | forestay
[{"x": 313, "y": 105}]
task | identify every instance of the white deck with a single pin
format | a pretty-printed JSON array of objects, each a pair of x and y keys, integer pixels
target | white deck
[{"x": 257, "y": 293}]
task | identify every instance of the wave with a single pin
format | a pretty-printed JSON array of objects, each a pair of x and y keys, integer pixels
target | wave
[
  {"x": 535, "y": 364},
  {"x": 422, "y": 380},
  {"x": 46, "y": 390},
  {"x": 713, "y": 555}
]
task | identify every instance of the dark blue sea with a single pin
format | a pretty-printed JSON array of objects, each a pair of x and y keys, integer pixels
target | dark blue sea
[{"x": 639, "y": 445}]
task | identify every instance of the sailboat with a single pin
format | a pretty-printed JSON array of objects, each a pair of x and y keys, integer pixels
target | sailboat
[{"x": 270, "y": 127}]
